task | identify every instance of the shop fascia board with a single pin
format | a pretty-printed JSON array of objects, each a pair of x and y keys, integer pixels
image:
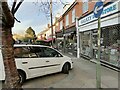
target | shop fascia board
[
  {"x": 60, "y": 38},
  {"x": 110, "y": 18},
  {"x": 114, "y": 7},
  {"x": 108, "y": 21}
]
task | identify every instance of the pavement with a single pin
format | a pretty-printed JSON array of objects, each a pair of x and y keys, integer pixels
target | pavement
[
  {"x": 83, "y": 76},
  {"x": 109, "y": 77}
]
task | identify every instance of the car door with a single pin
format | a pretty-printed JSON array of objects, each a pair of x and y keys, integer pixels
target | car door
[
  {"x": 31, "y": 63},
  {"x": 53, "y": 60}
]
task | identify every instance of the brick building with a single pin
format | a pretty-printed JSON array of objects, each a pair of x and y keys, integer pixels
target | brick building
[
  {"x": 65, "y": 30},
  {"x": 110, "y": 34}
]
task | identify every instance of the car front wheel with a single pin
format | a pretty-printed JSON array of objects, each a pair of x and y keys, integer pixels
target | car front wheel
[{"x": 66, "y": 68}]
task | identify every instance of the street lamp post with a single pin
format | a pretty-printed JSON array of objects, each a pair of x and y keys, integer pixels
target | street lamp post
[
  {"x": 98, "y": 9},
  {"x": 98, "y": 67},
  {"x": 64, "y": 41},
  {"x": 51, "y": 20}
]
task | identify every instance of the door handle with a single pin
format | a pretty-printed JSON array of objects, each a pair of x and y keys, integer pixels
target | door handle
[
  {"x": 24, "y": 62},
  {"x": 47, "y": 61}
]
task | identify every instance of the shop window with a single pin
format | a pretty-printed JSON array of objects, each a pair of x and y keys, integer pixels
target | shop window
[
  {"x": 110, "y": 41},
  {"x": 86, "y": 43}
]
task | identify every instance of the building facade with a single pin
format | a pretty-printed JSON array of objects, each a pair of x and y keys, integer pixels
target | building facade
[
  {"x": 110, "y": 34},
  {"x": 66, "y": 28},
  {"x": 65, "y": 31}
]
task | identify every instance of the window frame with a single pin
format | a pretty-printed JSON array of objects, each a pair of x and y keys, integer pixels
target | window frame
[
  {"x": 85, "y": 6},
  {"x": 61, "y": 25},
  {"x": 67, "y": 20},
  {"x": 47, "y": 49},
  {"x": 73, "y": 15}
]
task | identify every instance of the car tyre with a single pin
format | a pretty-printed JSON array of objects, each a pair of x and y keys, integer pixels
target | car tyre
[
  {"x": 22, "y": 77},
  {"x": 65, "y": 68}
]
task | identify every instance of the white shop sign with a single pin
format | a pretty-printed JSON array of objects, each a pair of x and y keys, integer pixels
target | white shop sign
[
  {"x": 110, "y": 9},
  {"x": 108, "y": 21}
]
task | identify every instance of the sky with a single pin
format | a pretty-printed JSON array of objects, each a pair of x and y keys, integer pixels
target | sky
[{"x": 30, "y": 16}]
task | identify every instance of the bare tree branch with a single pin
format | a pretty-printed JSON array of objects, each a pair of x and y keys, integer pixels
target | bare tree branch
[
  {"x": 17, "y": 6},
  {"x": 17, "y": 20},
  {"x": 62, "y": 3},
  {"x": 13, "y": 6}
]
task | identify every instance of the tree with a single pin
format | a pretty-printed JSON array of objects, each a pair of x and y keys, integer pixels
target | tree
[
  {"x": 46, "y": 6},
  {"x": 8, "y": 19},
  {"x": 30, "y": 34}
]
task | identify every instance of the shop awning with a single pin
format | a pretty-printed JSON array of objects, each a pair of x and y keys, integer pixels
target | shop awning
[{"x": 49, "y": 39}]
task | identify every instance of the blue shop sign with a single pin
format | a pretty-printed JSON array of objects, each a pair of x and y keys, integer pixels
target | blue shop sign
[{"x": 110, "y": 9}]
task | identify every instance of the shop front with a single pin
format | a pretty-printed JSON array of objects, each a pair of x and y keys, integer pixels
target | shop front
[
  {"x": 70, "y": 40},
  {"x": 86, "y": 44},
  {"x": 110, "y": 35},
  {"x": 59, "y": 40}
]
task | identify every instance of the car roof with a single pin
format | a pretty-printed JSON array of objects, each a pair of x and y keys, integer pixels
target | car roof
[{"x": 24, "y": 45}]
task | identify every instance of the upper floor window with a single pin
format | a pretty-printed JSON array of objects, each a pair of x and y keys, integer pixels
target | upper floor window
[
  {"x": 85, "y": 6},
  {"x": 61, "y": 25},
  {"x": 73, "y": 16},
  {"x": 67, "y": 20}
]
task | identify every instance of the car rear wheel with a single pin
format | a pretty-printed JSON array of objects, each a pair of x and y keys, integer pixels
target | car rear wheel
[
  {"x": 22, "y": 77},
  {"x": 66, "y": 68}
]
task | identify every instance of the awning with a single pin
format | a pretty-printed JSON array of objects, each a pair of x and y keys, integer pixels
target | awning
[
  {"x": 49, "y": 39},
  {"x": 60, "y": 38},
  {"x": 70, "y": 30},
  {"x": 59, "y": 34}
]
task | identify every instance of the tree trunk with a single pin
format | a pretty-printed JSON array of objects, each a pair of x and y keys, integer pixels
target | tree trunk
[{"x": 12, "y": 77}]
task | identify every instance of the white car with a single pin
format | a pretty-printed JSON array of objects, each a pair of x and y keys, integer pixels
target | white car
[{"x": 37, "y": 60}]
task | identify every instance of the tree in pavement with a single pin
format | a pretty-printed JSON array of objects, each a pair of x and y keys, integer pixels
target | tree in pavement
[
  {"x": 30, "y": 34},
  {"x": 8, "y": 20}
]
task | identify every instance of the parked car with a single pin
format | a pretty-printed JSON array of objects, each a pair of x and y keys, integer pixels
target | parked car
[
  {"x": 41, "y": 42},
  {"x": 37, "y": 60}
]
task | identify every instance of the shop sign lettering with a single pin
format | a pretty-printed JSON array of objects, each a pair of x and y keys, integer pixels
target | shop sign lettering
[{"x": 106, "y": 11}]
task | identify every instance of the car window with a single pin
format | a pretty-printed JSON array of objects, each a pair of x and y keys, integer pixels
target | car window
[
  {"x": 35, "y": 52},
  {"x": 49, "y": 52},
  {"x": 18, "y": 52},
  {"x": 24, "y": 52}
]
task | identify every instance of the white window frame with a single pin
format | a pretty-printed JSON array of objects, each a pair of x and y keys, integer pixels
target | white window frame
[
  {"x": 61, "y": 25},
  {"x": 67, "y": 20},
  {"x": 73, "y": 15},
  {"x": 85, "y": 6}
]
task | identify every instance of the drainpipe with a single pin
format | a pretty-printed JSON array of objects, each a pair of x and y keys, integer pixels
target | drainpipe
[
  {"x": 64, "y": 42},
  {"x": 78, "y": 39}
]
